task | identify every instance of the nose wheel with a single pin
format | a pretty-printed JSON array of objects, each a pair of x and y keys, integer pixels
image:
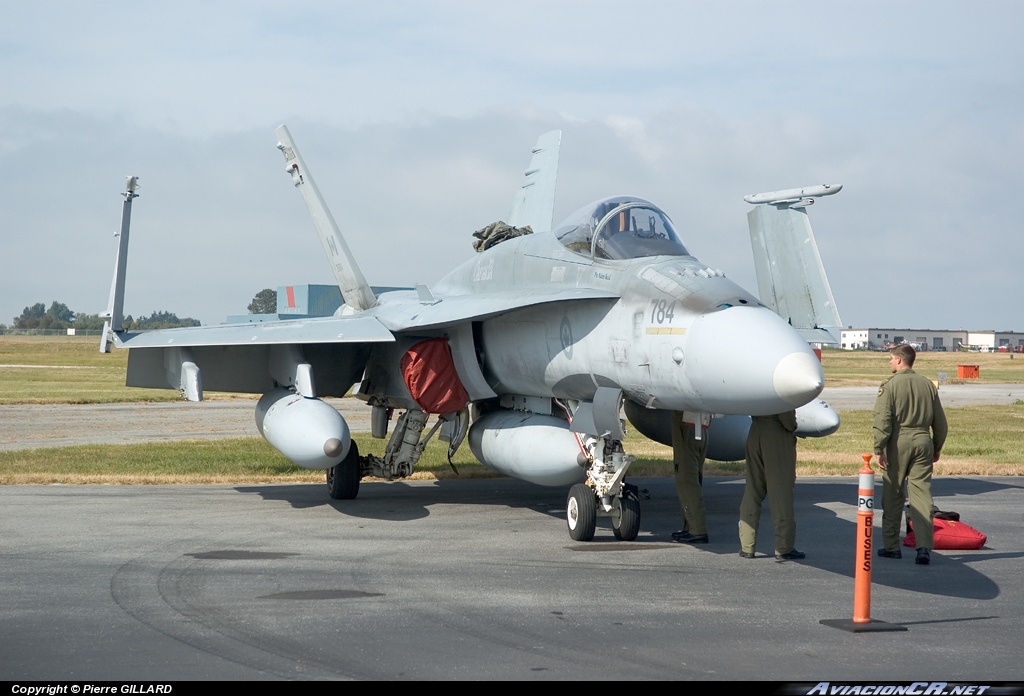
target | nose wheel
[
  {"x": 582, "y": 508},
  {"x": 626, "y": 516},
  {"x": 581, "y": 512}
]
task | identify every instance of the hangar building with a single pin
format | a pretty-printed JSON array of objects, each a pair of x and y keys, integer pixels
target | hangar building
[{"x": 929, "y": 339}]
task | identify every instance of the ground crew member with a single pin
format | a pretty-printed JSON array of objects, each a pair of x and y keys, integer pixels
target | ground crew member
[
  {"x": 910, "y": 429},
  {"x": 771, "y": 471},
  {"x": 689, "y": 447}
]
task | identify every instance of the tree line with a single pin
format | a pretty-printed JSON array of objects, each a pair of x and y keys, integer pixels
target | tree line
[{"x": 59, "y": 316}]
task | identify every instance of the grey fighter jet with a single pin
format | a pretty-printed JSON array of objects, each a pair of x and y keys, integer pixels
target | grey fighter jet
[{"x": 532, "y": 348}]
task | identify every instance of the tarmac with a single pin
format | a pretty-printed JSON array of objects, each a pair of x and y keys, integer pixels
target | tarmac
[
  {"x": 952, "y": 395},
  {"x": 478, "y": 579},
  {"x": 473, "y": 579},
  {"x": 27, "y": 426}
]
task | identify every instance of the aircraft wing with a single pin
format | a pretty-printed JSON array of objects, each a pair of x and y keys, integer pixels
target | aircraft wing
[
  {"x": 360, "y": 328},
  {"x": 403, "y": 316},
  {"x": 534, "y": 203},
  {"x": 322, "y": 356}
]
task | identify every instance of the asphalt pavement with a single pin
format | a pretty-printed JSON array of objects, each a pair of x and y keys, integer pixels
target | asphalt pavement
[{"x": 478, "y": 579}]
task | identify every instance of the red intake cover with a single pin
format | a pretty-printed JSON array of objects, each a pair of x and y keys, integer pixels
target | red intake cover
[{"x": 430, "y": 374}]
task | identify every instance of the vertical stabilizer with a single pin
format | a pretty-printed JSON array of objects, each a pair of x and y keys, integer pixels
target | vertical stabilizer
[
  {"x": 115, "y": 306},
  {"x": 354, "y": 290},
  {"x": 790, "y": 276},
  {"x": 534, "y": 203}
]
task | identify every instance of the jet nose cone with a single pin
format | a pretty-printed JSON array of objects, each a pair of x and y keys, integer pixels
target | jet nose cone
[
  {"x": 798, "y": 378},
  {"x": 746, "y": 360}
]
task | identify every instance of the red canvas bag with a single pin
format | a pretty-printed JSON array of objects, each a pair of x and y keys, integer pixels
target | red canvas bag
[{"x": 950, "y": 535}]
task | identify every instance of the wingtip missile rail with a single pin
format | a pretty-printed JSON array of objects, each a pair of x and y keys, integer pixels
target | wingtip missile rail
[{"x": 791, "y": 197}]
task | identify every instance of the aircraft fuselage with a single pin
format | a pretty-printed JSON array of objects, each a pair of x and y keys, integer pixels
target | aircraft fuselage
[{"x": 681, "y": 335}]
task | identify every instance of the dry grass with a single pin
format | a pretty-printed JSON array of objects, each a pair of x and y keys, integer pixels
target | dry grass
[
  {"x": 983, "y": 440},
  {"x": 845, "y": 368},
  {"x": 70, "y": 370}
]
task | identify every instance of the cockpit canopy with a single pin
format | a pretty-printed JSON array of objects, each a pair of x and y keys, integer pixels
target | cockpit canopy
[{"x": 619, "y": 228}]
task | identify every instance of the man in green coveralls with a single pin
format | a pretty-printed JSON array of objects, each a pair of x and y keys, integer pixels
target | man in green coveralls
[
  {"x": 771, "y": 471},
  {"x": 689, "y": 448},
  {"x": 910, "y": 429}
]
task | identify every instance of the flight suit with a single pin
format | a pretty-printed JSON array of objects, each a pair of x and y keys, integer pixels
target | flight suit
[
  {"x": 688, "y": 459},
  {"x": 771, "y": 471},
  {"x": 910, "y": 427}
]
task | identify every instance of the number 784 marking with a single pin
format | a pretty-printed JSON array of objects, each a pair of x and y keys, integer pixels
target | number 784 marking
[{"x": 662, "y": 313}]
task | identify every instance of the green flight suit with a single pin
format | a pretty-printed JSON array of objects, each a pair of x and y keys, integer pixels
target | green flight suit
[
  {"x": 910, "y": 427},
  {"x": 771, "y": 471},
  {"x": 688, "y": 459}
]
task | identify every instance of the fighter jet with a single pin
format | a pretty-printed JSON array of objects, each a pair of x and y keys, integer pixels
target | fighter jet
[{"x": 532, "y": 348}]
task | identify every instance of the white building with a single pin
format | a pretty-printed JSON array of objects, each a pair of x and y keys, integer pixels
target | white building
[
  {"x": 988, "y": 341},
  {"x": 882, "y": 339},
  {"x": 854, "y": 339},
  {"x": 928, "y": 339}
]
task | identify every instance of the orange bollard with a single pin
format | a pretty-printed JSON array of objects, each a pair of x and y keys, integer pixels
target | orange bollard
[
  {"x": 865, "y": 525},
  {"x": 862, "y": 621}
]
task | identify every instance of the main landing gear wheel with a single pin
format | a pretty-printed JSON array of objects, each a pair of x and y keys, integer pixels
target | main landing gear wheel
[
  {"x": 581, "y": 512},
  {"x": 343, "y": 479},
  {"x": 626, "y": 517}
]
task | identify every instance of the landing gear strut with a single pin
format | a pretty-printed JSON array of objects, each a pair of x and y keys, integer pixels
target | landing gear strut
[{"x": 604, "y": 494}]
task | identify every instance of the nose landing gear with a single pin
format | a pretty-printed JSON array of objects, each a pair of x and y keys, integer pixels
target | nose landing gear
[{"x": 604, "y": 494}]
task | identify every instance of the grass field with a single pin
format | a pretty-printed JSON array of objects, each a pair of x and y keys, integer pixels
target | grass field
[
  {"x": 69, "y": 370},
  {"x": 984, "y": 440},
  {"x": 845, "y": 368}
]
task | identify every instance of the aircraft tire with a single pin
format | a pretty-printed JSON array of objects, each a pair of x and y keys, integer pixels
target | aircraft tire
[
  {"x": 581, "y": 512},
  {"x": 626, "y": 524},
  {"x": 343, "y": 479}
]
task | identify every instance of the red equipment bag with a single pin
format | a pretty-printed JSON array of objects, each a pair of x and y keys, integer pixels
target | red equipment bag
[
  {"x": 950, "y": 535},
  {"x": 430, "y": 374}
]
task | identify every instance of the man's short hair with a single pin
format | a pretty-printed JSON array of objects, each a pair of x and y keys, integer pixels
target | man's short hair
[{"x": 906, "y": 353}]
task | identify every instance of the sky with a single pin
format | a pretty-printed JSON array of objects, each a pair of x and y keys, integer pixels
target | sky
[{"x": 417, "y": 121}]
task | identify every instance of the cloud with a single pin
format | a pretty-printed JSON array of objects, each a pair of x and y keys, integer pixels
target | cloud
[{"x": 417, "y": 121}]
